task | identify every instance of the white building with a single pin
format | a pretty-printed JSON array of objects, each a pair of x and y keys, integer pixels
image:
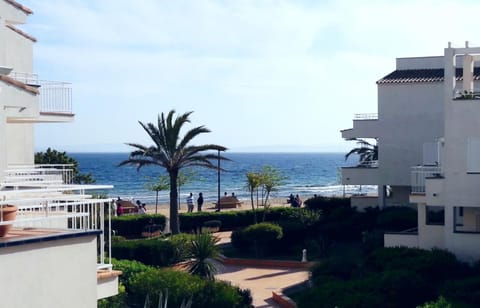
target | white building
[
  {"x": 54, "y": 256},
  {"x": 428, "y": 131}
]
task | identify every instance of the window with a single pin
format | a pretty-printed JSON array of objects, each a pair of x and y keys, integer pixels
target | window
[
  {"x": 435, "y": 215},
  {"x": 473, "y": 155}
]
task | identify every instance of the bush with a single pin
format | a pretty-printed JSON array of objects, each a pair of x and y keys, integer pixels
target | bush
[
  {"x": 212, "y": 225},
  {"x": 183, "y": 286},
  {"x": 132, "y": 225},
  {"x": 232, "y": 220},
  {"x": 397, "y": 218},
  {"x": 466, "y": 292},
  {"x": 158, "y": 252},
  {"x": 326, "y": 204},
  {"x": 261, "y": 236}
]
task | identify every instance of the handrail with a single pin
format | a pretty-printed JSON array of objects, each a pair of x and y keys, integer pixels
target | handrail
[{"x": 365, "y": 116}]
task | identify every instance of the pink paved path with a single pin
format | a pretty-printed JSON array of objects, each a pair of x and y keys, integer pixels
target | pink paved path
[{"x": 260, "y": 281}]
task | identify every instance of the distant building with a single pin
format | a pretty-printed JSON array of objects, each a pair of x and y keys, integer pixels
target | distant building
[
  {"x": 428, "y": 133},
  {"x": 54, "y": 256}
]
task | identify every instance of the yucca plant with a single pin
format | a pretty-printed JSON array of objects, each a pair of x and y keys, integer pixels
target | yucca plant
[{"x": 203, "y": 253}]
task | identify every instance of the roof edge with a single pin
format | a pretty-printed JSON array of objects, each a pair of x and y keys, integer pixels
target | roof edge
[
  {"x": 19, "y": 84},
  {"x": 19, "y": 6},
  {"x": 24, "y": 34}
]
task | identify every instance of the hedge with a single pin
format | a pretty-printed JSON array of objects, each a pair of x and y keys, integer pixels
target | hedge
[
  {"x": 132, "y": 225},
  {"x": 141, "y": 280},
  {"x": 232, "y": 220},
  {"x": 183, "y": 286},
  {"x": 157, "y": 252}
]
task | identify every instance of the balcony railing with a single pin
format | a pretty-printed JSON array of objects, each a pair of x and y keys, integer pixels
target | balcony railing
[
  {"x": 41, "y": 175},
  {"x": 420, "y": 173},
  {"x": 368, "y": 164},
  {"x": 66, "y": 213},
  {"x": 55, "y": 96},
  {"x": 365, "y": 116}
]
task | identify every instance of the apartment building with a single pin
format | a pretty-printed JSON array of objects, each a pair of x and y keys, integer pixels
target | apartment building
[
  {"x": 55, "y": 252},
  {"x": 428, "y": 133}
]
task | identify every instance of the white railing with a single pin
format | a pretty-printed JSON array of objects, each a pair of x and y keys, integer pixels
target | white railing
[
  {"x": 368, "y": 164},
  {"x": 55, "y": 96},
  {"x": 418, "y": 175},
  {"x": 43, "y": 175},
  {"x": 365, "y": 116},
  {"x": 75, "y": 214}
]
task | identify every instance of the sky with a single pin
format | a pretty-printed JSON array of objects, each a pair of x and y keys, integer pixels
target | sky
[{"x": 276, "y": 76}]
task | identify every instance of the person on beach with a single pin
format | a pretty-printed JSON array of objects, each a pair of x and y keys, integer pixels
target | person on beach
[
  {"x": 142, "y": 210},
  {"x": 190, "y": 203},
  {"x": 200, "y": 202},
  {"x": 119, "y": 209},
  {"x": 298, "y": 201}
]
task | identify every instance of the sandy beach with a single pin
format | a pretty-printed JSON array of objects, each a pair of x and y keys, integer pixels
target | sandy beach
[{"x": 164, "y": 209}]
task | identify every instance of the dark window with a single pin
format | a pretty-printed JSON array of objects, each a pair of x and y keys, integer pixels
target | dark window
[{"x": 435, "y": 215}]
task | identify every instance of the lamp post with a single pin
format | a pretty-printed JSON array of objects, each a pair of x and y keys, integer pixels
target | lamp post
[{"x": 218, "y": 181}]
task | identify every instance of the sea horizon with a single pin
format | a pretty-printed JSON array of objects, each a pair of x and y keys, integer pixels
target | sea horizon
[{"x": 305, "y": 174}]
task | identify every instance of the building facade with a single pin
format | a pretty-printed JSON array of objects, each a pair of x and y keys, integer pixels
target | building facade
[
  {"x": 55, "y": 252},
  {"x": 428, "y": 132}
]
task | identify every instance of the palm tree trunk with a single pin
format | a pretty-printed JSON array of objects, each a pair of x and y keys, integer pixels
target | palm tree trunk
[
  {"x": 156, "y": 203},
  {"x": 174, "y": 222}
]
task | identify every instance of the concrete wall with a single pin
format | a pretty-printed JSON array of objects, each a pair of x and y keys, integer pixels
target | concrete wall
[
  {"x": 400, "y": 240},
  {"x": 11, "y": 13},
  {"x": 429, "y": 236},
  {"x": 59, "y": 273}
]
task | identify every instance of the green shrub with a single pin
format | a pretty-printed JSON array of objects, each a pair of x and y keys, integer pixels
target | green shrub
[
  {"x": 132, "y": 225},
  {"x": 436, "y": 265},
  {"x": 262, "y": 236},
  {"x": 158, "y": 252},
  {"x": 231, "y": 220},
  {"x": 326, "y": 204},
  {"x": 397, "y": 218},
  {"x": 182, "y": 243},
  {"x": 466, "y": 292},
  {"x": 180, "y": 286},
  {"x": 128, "y": 268}
]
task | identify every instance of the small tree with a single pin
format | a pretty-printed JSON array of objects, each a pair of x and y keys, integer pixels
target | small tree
[
  {"x": 61, "y": 158},
  {"x": 262, "y": 184},
  {"x": 162, "y": 183}
]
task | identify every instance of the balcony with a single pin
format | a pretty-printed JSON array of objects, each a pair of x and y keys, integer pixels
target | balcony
[
  {"x": 419, "y": 174},
  {"x": 365, "y": 173},
  {"x": 55, "y": 100},
  {"x": 365, "y": 125},
  {"x": 55, "y": 215}
]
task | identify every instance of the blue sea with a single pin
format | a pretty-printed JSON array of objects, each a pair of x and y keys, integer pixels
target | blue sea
[{"x": 305, "y": 174}]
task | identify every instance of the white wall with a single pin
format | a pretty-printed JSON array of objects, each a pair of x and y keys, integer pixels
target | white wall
[
  {"x": 429, "y": 236},
  {"x": 409, "y": 115},
  {"x": 59, "y": 273}
]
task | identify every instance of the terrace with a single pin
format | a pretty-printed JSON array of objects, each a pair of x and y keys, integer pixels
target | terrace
[
  {"x": 55, "y": 96},
  {"x": 49, "y": 205}
]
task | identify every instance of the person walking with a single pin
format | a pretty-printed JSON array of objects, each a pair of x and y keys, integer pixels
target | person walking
[
  {"x": 200, "y": 202},
  {"x": 190, "y": 203}
]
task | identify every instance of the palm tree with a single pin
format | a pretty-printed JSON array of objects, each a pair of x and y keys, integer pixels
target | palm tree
[
  {"x": 203, "y": 252},
  {"x": 367, "y": 152},
  {"x": 172, "y": 152}
]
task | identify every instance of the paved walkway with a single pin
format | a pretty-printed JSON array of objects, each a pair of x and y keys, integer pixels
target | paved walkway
[{"x": 260, "y": 280}]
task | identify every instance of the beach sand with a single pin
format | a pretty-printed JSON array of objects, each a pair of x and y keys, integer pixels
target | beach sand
[{"x": 164, "y": 208}]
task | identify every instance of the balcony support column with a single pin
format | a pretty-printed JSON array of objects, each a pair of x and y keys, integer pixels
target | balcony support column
[{"x": 382, "y": 196}]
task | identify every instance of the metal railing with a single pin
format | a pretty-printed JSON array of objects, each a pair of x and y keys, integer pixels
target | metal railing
[
  {"x": 365, "y": 116},
  {"x": 74, "y": 214},
  {"x": 368, "y": 164},
  {"x": 55, "y": 96},
  {"x": 41, "y": 174},
  {"x": 420, "y": 173}
]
